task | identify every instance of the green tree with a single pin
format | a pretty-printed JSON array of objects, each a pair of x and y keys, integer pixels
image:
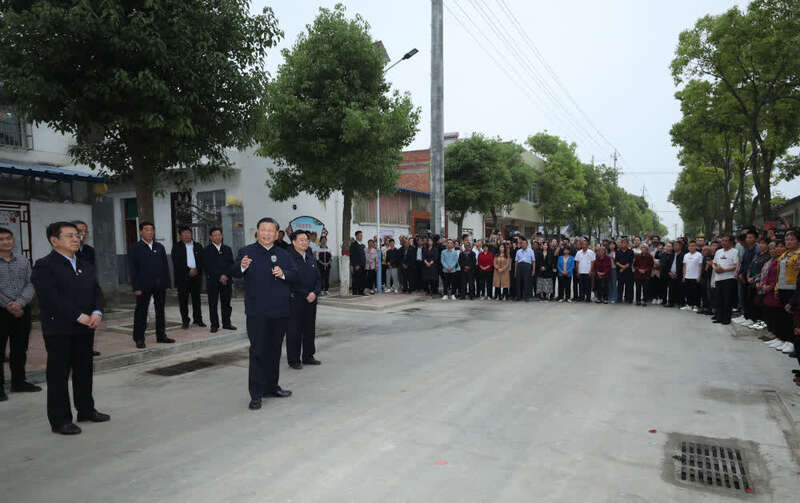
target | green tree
[
  {"x": 697, "y": 195},
  {"x": 143, "y": 86},
  {"x": 754, "y": 56},
  {"x": 331, "y": 122},
  {"x": 561, "y": 182},
  {"x": 514, "y": 178}
]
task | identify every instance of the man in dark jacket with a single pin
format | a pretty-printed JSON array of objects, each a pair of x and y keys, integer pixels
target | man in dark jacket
[
  {"x": 268, "y": 273},
  {"x": 305, "y": 290},
  {"x": 408, "y": 265},
  {"x": 149, "y": 270},
  {"x": 672, "y": 271},
  {"x": 70, "y": 309},
  {"x": 468, "y": 263},
  {"x": 358, "y": 261},
  {"x": 187, "y": 266},
  {"x": 217, "y": 259},
  {"x": 85, "y": 253}
]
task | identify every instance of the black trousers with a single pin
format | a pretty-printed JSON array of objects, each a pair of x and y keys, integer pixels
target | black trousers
[
  {"x": 16, "y": 331},
  {"x": 601, "y": 284},
  {"x": 190, "y": 288},
  {"x": 691, "y": 292},
  {"x": 468, "y": 283},
  {"x": 450, "y": 283},
  {"x": 140, "y": 314},
  {"x": 302, "y": 329},
  {"x": 371, "y": 277},
  {"x": 524, "y": 280},
  {"x": 325, "y": 278},
  {"x": 266, "y": 340},
  {"x": 642, "y": 291},
  {"x": 726, "y": 294},
  {"x": 407, "y": 278},
  {"x": 748, "y": 302},
  {"x": 218, "y": 292},
  {"x": 68, "y": 354},
  {"x": 359, "y": 280},
  {"x": 564, "y": 286},
  {"x": 675, "y": 291},
  {"x": 484, "y": 288},
  {"x": 585, "y": 282},
  {"x": 625, "y": 284}
]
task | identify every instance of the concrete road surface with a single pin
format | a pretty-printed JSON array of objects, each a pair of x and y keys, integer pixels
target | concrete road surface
[{"x": 443, "y": 401}]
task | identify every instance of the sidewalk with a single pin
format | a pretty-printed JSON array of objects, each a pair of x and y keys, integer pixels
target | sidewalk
[
  {"x": 114, "y": 338},
  {"x": 376, "y": 302}
]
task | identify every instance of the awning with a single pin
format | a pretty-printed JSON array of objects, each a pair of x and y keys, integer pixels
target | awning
[
  {"x": 45, "y": 171},
  {"x": 412, "y": 191}
]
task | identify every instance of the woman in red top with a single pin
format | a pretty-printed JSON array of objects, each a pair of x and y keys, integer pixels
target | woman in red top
[
  {"x": 602, "y": 269},
  {"x": 485, "y": 274},
  {"x": 642, "y": 270}
]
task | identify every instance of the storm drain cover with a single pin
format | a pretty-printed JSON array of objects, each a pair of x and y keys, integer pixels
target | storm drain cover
[
  {"x": 182, "y": 368},
  {"x": 712, "y": 464}
]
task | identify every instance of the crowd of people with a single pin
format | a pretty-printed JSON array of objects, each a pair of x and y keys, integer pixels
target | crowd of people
[{"x": 753, "y": 274}]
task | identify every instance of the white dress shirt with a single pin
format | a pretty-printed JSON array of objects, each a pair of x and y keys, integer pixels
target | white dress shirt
[{"x": 190, "y": 262}]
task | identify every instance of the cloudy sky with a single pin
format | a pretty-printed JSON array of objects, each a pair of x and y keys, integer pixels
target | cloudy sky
[{"x": 515, "y": 67}]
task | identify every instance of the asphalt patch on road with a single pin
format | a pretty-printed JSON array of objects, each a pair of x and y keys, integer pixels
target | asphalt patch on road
[{"x": 185, "y": 367}]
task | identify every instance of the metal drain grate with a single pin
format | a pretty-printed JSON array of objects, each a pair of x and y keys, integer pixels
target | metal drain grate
[
  {"x": 712, "y": 465},
  {"x": 182, "y": 368}
]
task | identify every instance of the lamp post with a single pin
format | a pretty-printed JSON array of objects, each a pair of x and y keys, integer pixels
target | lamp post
[{"x": 379, "y": 272}]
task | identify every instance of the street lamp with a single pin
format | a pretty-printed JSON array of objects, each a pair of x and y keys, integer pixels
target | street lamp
[{"x": 379, "y": 272}]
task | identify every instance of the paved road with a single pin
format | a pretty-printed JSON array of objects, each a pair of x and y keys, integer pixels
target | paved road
[{"x": 445, "y": 401}]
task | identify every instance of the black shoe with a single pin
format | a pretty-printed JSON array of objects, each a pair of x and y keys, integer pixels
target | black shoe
[
  {"x": 94, "y": 417},
  {"x": 795, "y": 371},
  {"x": 228, "y": 327},
  {"x": 255, "y": 404},
  {"x": 185, "y": 325},
  {"x": 165, "y": 340},
  {"x": 281, "y": 393},
  {"x": 296, "y": 366},
  {"x": 67, "y": 429},
  {"x": 3, "y": 396},
  {"x": 95, "y": 353},
  {"x": 311, "y": 361},
  {"x": 140, "y": 345},
  {"x": 200, "y": 324},
  {"x": 214, "y": 330},
  {"x": 25, "y": 387},
  {"x": 715, "y": 321},
  {"x": 725, "y": 322}
]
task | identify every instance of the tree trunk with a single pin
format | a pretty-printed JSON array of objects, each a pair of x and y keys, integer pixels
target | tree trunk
[
  {"x": 144, "y": 183},
  {"x": 344, "y": 261},
  {"x": 494, "y": 218},
  {"x": 460, "y": 226}
]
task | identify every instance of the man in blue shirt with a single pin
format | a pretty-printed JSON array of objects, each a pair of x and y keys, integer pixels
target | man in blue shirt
[
  {"x": 524, "y": 270},
  {"x": 268, "y": 272}
]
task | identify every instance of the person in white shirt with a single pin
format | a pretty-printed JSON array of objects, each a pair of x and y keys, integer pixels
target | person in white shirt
[
  {"x": 584, "y": 260},
  {"x": 692, "y": 268},
  {"x": 726, "y": 262}
]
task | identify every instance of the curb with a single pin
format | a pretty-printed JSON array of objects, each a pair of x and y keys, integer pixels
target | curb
[
  {"x": 115, "y": 362},
  {"x": 346, "y": 304}
]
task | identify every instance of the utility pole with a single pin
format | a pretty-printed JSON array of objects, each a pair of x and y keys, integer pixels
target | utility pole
[
  {"x": 437, "y": 117},
  {"x": 616, "y": 222}
]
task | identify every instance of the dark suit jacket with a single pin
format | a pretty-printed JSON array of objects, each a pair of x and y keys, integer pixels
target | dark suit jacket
[
  {"x": 265, "y": 295},
  {"x": 408, "y": 256},
  {"x": 149, "y": 269},
  {"x": 357, "y": 255},
  {"x": 86, "y": 253},
  {"x": 179, "y": 266},
  {"x": 65, "y": 294},
  {"x": 216, "y": 263},
  {"x": 666, "y": 265},
  {"x": 308, "y": 276}
]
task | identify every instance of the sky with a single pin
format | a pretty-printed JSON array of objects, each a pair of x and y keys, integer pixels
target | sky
[{"x": 593, "y": 73}]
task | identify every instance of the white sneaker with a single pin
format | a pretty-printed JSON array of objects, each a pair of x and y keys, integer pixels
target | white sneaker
[
  {"x": 686, "y": 308},
  {"x": 776, "y": 343},
  {"x": 780, "y": 348},
  {"x": 452, "y": 297},
  {"x": 788, "y": 348},
  {"x": 444, "y": 297},
  {"x": 769, "y": 341},
  {"x": 738, "y": 319},
  {"x": 760, "y": 325}
]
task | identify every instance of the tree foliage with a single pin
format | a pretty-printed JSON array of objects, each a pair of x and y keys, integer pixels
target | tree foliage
[
  {"x": 332, "y": 122},
  {"x": 752, "y": 57},
  {"x": 484, "y": 175},
  {"x": 143, "y": 86}
]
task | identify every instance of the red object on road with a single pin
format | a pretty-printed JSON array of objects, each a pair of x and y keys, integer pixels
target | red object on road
[{"x": 652, "y": 431}]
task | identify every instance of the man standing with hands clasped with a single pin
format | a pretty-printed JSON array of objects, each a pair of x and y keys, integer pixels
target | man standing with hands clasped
[
  {"x": 268, "y": 272},
  {"x": 70, "y": 309},
  {"x": 16, "y": 293},
  {"x": 303, "y": 304},
  {"x": 217, "y": 261},
  {"x": 147, "y": 260}
]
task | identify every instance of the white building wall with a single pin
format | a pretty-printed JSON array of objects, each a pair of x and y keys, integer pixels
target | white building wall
[{"x": 43, "y": 214}]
